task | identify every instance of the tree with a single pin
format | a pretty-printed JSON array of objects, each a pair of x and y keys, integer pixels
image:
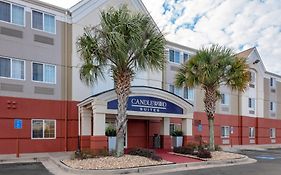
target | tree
[
  {"x": 211, "y": 68},
  {"x": 124, "y": 43}
]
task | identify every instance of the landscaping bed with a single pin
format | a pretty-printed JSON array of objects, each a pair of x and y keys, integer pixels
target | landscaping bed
[{"x": 110, "y": 162}]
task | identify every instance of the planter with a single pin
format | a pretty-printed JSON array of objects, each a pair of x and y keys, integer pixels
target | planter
[
  {"x": 111, "y": 143},
  {"x": 177, "y": 141}
]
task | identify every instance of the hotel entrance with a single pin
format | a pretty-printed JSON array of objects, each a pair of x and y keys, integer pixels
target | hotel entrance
[{"x": 149, "y": 111}]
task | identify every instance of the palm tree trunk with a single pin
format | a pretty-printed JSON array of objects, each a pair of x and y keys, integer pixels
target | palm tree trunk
[
  {"x": 122, "y": 88},
  {"x": 210, "y": 107}
]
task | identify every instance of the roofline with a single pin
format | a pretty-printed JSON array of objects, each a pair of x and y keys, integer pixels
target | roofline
[
  {"x": 181, "y": 46},
  {"x": 93, "y": 96},
  {"x": 273, "y": 74},
  {"x": 47, "y": 5}
]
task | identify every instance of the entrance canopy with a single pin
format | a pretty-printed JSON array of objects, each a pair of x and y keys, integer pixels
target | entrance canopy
[{"x": 143, "y": 101}]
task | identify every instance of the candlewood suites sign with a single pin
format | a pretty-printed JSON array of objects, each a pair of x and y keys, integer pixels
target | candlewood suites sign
[{"x": 148, "y": 104}]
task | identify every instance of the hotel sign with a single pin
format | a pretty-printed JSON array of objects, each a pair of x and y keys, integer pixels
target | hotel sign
[{"x": 148, "y": 104}]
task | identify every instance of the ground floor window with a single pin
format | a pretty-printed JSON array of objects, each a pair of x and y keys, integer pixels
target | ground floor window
[
  {"x": 272, "y": 133},
  {"x": 225, "y": 131},
  {"x": 174, "y": 127},
  {"x": 43, "y": 129},
  {"x": 252, "y": 132}
]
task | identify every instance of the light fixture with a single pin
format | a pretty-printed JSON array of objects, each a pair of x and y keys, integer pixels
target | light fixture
[{"x": 256, "y": 61}]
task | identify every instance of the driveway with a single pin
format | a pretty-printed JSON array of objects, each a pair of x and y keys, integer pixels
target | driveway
[
  {"x": 23, "y": 169},
  {"x": 268, "y": 163}
]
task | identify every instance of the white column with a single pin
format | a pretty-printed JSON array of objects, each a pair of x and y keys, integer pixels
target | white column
[
  {"x": 99, "y": 124},
  {"x": 187, "y": 126},
  {"x": 86, "y": 116},
  {"x": 165, "y": 126}
]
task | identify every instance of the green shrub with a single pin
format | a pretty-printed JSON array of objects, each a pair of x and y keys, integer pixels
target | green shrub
[
  {"x": 110, "y": 131},
  {"x": 218, "y": 148},
  {"x": 183, "y": 150},
  {"x": 86, "y": 154},
  {"x": 177, "y": 133},
  {"x": 204, "y": 153},
  {"x": 145, "y": 153}
]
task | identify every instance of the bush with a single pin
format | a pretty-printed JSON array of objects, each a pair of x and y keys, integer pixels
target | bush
[
  {"x": 177, "y": 133},
  {"x": 203, "y": 153},
  {"x": 110, "y": 131},
  {"x": 86, "y": 154},
  {"x": 183, "y": 150},
  {"x": 145, "y": 153},
  {"x": 218, "y": 148}
]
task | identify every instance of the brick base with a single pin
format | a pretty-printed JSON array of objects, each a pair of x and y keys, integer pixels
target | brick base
[
  {"x": 98, "y": 143},
  {"x": 187, "y": 139}
]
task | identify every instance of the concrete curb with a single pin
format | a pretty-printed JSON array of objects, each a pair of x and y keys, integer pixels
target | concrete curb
[{"x": 151, "y": 169}]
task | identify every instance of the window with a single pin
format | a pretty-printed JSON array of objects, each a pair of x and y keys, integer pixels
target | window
[
  {"x": 225, "y": 131},
  {"x": 171, "y": 88},
  {"x": 177, "y": 91},
  {"x": 272, "y": 107},
  {"x": 252, "y": 79},
  {"x": 44, "y": 22},
  {"x": 44, "y": 73},
  {"x": 12, "y": 68},
  {"x": 43, "y": 129},
  {"x": 174, "y": 56},
  {"x": 11, "y": 13},
  {"x": 272, "y": 82},
  {"x": 251, "y": 103},
  {"x": 186, "y": 56},
  {"x": 224, "y": 99},
  {"x": 188, "y": 93},
  {"x": 272, "y": 133},
  {"x": 175, "y": 127},
  {"x": 251, "y": 132}
]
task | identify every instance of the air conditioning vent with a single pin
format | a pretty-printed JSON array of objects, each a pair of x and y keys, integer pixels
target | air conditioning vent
[
  {"x": 43, "y": 90},
  {"x": 252, "y": 86},
  {"x": 273, "y": 90},
  {"x": 11, "y": 87},
  {"x": 251, "y": 112},
  {"x": 11, "y": 32},
  {"x": 43, "y": 39}
]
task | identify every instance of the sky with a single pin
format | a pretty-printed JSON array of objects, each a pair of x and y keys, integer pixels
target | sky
[{"x": 238, "y": 24}]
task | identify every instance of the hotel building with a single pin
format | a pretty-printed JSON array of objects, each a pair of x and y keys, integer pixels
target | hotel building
[{"x": 40, "y": 86}]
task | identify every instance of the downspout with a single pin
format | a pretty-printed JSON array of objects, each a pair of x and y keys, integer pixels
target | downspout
[
  {"x": 240, "y": 119},
  {"x": 66, "y": 83}
]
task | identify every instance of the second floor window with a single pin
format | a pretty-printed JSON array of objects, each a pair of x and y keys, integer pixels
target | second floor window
[
  {"x": 11, "y": 13},
  {"x": 44, "y": 73},
  {"x": 11, "y": 68},
  {"x": 42, "y": 21},
  {"x": 188, "y": 93},
  {"x": 224, "y": 99},
  {"x": 174, "y": 56},
  {"x": 252, "y": 103},
  {"x": 186, "y": 56},
  {"x": 272, "y": 106}
]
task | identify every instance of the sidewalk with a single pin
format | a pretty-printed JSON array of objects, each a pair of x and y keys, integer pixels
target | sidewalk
[{"x": 237, "y": 148}]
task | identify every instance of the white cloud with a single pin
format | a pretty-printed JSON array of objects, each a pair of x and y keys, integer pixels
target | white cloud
[{"x": 239, "y": 24}]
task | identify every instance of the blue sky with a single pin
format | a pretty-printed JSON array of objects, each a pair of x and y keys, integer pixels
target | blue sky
[{"x": 239, "y": 24}]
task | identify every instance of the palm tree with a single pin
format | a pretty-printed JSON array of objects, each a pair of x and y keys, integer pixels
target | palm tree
[
  {"x": 210, "y": 68},
  {"x": 123, "y": 43}
]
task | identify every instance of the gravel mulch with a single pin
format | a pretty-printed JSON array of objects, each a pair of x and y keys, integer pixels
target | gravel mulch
[
  {"x": 126, "y": 161},
  {"x": 221, "y": 155}
]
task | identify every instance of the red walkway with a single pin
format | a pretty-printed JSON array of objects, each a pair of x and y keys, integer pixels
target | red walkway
[{"x": 175, "y": 158}]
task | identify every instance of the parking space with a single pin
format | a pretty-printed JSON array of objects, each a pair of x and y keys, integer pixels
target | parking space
[{"x": 23, "y": 169}]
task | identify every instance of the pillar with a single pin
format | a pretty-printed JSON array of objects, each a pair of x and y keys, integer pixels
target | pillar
[
  {"x": 85, "y": 128},
  {"x": 98, "y": 139},
  {"x": 165, "y": 133},
  {"x": 187, "y": 130}
]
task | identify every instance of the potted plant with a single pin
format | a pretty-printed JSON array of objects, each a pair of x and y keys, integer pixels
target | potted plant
[
  {"x": 177, "y": 138},
  {"x": 110, "y": 132}
]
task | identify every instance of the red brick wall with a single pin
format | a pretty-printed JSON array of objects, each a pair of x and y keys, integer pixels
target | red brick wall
[{"x": 27, "y": 109}]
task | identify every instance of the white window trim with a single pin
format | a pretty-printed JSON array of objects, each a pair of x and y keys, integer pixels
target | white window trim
[
  {"x": 254, "y": 107},
  {"x": 11, "y": 14},
  {"x": 272, "y": 137},
  {"x": 252, "y": 137},
  {"x": 226, "y": 100},
  {"x": 11, "y": 76},
  {"x": 228, "y": 132},
  {"x": 43, "y": 73},
  {"x": 43, "y": 21},
  {"x": 55, "y": 134},
  {"x": 189, "y": 98}
]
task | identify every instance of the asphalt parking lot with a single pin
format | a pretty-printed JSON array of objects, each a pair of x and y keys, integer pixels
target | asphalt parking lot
[
  {"x": 36, "y": 168},
  {"x": 268, "y": 163}
]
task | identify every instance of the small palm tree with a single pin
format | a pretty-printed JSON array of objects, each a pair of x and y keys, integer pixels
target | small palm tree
[
  {"x": 124, "y": 43},
  {"x": 210, "y": 68}
]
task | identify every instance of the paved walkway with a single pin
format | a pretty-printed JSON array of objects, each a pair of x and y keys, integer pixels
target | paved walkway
[
  {"x": 237, "y": 148},
  {"x": 175, "y": 158}
]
